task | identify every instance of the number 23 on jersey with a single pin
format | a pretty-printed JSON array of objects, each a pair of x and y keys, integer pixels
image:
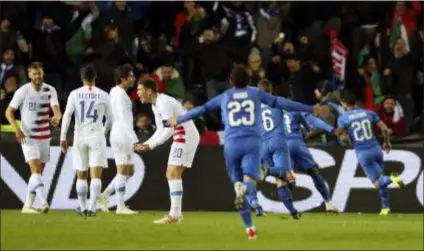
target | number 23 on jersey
[{"x": 241, "y": 113}]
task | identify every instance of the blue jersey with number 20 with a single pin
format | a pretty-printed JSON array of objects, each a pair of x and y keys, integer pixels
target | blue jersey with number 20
[{"x": 360, "y": 124}]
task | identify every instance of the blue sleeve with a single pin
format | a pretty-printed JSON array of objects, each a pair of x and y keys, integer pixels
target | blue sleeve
[
  {"x": 340, "y": 122},
  {"x": 300, "y": 119},
  {"x": 282, "y": 103},
  {"x": 336, "y": 107},
  {"x": 375, "y": 117},
  {"x": 318, "y": 123},
  {"x": 209, "y": 106}
]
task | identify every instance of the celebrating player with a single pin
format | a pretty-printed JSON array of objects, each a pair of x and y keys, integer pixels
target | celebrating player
[
  {"x": 360, "y": 124},
  {"x": 241, "y": 108},
  {"x": 122, "y": 138},
  {"x": 90, "y": 104},
  {"x": 183, "y": 149},
  {"x": 34, "y": 100}
]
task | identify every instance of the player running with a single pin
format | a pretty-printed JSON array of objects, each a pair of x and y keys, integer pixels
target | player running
[
  {"x": 122, "y": 138},
  {"x": 186, "y": 139},
  {"x": 241, "y": 108},
  {"x": 89, "y": 104},
  {"x": 360, "y": 123},
  {"x": 34, "y": 100}
]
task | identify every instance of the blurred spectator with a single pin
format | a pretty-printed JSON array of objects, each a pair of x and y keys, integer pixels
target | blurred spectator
[
  {"x": 256, "y": 72},
  {"x": 391, "y": 113},
  {"x": 404, "y": 22},
  {"x": 169, "y": 80},
  {"x": 10, "y": 38},
  {"x": 401, "y": 72},
  {"x": 9, "y": 68},
  {"x": 241, "y": 29},
  {"x": 144, "y": 125},
  {"x": 188, "y": 104},
  {"x": 371, "y": 83},
  {"x": 6, "y": 94},
  {"x": 147, "y": 58}
]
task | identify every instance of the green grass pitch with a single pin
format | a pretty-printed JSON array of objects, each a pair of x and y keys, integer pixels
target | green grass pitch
[{"x": 210, "y": 230}]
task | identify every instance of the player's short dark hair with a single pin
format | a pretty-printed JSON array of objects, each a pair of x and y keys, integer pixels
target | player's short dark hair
[
  {"x": 122, "y": 71},
  {"x": 88, "y": 73},
  {"x": 240, "y": 76},
  {"x": 149, "y": 84},
  {"x": 348, "y": 97},
  {"x": 35, "y": 65},
  {"x": 267, "y": 85}
]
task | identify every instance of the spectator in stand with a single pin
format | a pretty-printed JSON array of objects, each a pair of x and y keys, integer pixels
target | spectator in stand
[
  {"x": 120, "y": 13},
  {"x": 143, "y": 125},
  {"x": 9, "y": 68},
  {"x": 401, "y": 73},
  {"x": 169, "y": 80},
  {"x": 256, "y": 72},
  {"x": 241, "y": 29},
  {"x": 370, "y": 86},
  {"x": 147, "y": 57},
  {"x": 7, "y": 90},
  {"x": 407, "y": 18},
  {"x": 12, "y": 39},
  {"x": 391, "y": 113},
  {"x": 215, "y": 63}
]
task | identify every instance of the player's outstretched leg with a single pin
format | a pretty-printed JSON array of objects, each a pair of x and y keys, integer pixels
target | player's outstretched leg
[
  {"x": 322, "y": 188},
  {"x": 35, "y": 188},
  {"x": 95, "y": 187},
  {"x": 252, "y": 199},
  {"x": 104, "y": 197},
  {"x": 382, "y": 183},
  {"x": 82, "y": 190},
  {"x": 175, "y": 182},
  {"x": 241, "y": 190},
  {"x": 285, "y": 194}
]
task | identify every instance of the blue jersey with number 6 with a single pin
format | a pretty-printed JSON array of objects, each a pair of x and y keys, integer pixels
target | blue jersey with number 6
[
  {"x": 360, "y": 124},
  {"x": 241, "y": 115},
  {"x": 273, "y": 124}
]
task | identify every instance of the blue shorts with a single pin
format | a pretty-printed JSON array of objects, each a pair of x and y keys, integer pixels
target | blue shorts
[
  {"x": 242, "y": 157},
  {"x": 371, "y": 162},
  {"x": 300, "y": 155},
  {"x": 275, "y": 153}
]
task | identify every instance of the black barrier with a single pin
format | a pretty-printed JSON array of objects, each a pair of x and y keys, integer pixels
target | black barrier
[{"x": 207, "y": 187}]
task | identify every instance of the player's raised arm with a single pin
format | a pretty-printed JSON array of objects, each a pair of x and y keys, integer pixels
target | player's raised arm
[
  {"x": 282, "y": 103},
  {"x": 14, "y": 104},
  {"x": 209, "y": 106},
  {"x": 54, "y": 104},
  {"x": 67, "y": 116},
  {"x": 318, "y": 123}
]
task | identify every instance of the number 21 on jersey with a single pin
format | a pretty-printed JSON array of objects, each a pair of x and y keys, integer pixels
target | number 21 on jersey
[
  {"x": 90, "y": 113},
  {"x": 247, "y": 107}
]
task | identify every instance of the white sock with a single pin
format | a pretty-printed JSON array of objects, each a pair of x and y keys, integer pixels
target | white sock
[
  {"x": 95, "y": 187},
  {"x": 36, "y": 185},
  {"x": 30, "y": 196},
  {"x": 82, "y": 190},
  {"x": 176, "y": 194},
  {"x": 110, "y": 188},
  {"x": 120, "y": 181}
]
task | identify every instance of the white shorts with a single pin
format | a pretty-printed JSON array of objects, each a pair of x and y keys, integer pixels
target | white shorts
[
  {"x": 89, "y": 151},
  {"x": 122, "y": 150},
  {"x": 182, "y": 154},
  {"x": 34, "y": 149}
]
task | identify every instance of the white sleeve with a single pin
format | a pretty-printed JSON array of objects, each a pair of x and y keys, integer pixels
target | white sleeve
[
  {"x": 122, "y": 117},
  {"x": 108, "y": 114},
  {"x": 53, "y": 99},
  {"x": 18, "y": 99},
  {"x": 67, "y": 116},
  {"x": 162, "y": 133}
]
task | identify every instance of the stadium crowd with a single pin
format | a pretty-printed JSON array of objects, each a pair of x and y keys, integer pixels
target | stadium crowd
[{"x": 308, "y": 50}]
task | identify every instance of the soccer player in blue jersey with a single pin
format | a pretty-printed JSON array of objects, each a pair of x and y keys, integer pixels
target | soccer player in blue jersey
[
  {"x": 241, "y": 112},
  {"x": 275, "y": 154},
  {"x": 299, "y": 154},
  {"x": 360, "y": 124}
]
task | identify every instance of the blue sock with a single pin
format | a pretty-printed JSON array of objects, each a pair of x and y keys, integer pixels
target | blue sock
[
  {"x": 251, "y": 194},
  {"x": 319, "y": 183},
  {"x": 384, "y": 181},
  {"x": 245, "y": 215},
  {"x": 384, "y": 196},
  {"x": 286, "y": 196},
  {"x": 277, "y": 172}
]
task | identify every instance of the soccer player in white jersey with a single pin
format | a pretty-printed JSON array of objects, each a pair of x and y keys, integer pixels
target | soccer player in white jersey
[
  {"x": 122, "y": 138},
  {"x": 89, "y": 104},
  {"x": 34, "y": 101},
  {"x": 186, "y": 139}
]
